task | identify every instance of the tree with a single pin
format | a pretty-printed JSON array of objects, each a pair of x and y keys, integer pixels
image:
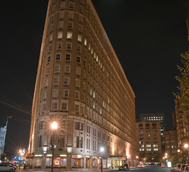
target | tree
[{"x": 182, "y": 97}]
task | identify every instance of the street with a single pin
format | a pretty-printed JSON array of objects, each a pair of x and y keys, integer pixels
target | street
[{"x": 143, "y": 169}]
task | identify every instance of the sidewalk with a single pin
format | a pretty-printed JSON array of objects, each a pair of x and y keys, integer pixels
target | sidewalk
[{"x": 64, "y": 170}]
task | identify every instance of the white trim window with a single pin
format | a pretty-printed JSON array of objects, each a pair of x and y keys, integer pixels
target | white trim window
[
  {"x": 61, "y": 15},
  {"x": 77, "y": 95},
  {"x": 66, "y": 81},
  {"x": 56, "y": 68},
  {"x": 67, "y": 69},
  {"x": 78, "y": 71},
  {"x": 60, "y": 35},
  {"x": 54, "y": 104},
  {"x": 68, "y": 46},
  {"x": 56, "y": 80},
  {"x": 77, "y": 107},
  {"x": 60, "y": 25},
  {"x": 62, "y": 5},
  {"x": 68, "y": 57},
  {"x": 59, "y": 45},
  {"x": 70, "y": 25},
  {"x": 79, "y": 38},
  {"x": 58, "y": 57},
  {"x": 65, "y": 93},
  {"x": 69, "y": 35},
  {"x": 55, "y": 93},
  {"x": 64, "y": 105},
  {"x": 77, "y": 83}
]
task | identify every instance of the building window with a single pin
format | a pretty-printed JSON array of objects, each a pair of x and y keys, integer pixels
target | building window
[
  {"x": 60, "y": 141},
  {"x": 79, "y": 38},
  {"x": 54, "y": 105},
  {"x": 99, "y": 134},
  {"x": 62, "y": 5},
  {"x": 70, "y": 25},
  {"x": 54, "y": 8},
  {"x": 55, "y": 93},
  {"x": 46, "y": 82},
  {"x": 88, "y": 144},
  {"x": 94, "y": 145},
  {"x": 57, "y": 68},
  {"x": 64, "y": 105},
  {"x": 88, "y": 129},
  {"x": 60, "y": 25},
  {"x": 78, "y": 59},
  {"x": 60, "y": 35},
  {"x": 69, "y": 46},
  {"x": 77, "y": 107},
  {"x": 80, "y": 28},
  {"x": 66, "y": 81},
  {"x": 57, "y": 57},
  {"x": 50, "y": 37},
  {"x": 47, "y": 70},
  {"x": 77, "y": 83},
  {"x": 40, "y": 141},
  {"x": 94, "y": 132},
  {"x": 71, "y": 6},
  {"x": 48, "y": 59},
  {"x": 69, "y": 35},
  {"x": 78, "y": 71},
  {"x": 61, "y": 15},
  {"x": 67, "y": 68},
  {"x": 79, "y": 126},
  {"x": 66, "y": 93},
  {"x": 56, "y": 80},
  {"x": 59, "y": 46},
  {"x": 79, "y": 49},
  {"x": 68, "y": 57},
  {"x": 85, "y": 42},
  {"x": 77, "y": 95},
  {"x": 78, "y": 142}
]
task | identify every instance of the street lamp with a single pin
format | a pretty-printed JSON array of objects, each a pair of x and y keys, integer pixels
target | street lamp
[
  {"x": 54, "y": 127},
  {"x": 137, "y": 160},
  {"x": 101, "y": 151},
  {"x": 186, "y": 147}
]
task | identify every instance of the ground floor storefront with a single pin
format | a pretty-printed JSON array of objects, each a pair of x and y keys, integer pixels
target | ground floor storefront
[{"x": 76, "y": 161}]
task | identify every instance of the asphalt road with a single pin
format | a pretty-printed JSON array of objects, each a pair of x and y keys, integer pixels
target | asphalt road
[
  {"x": 149, "y": 169},
  {"x": 143, "y": 169}
]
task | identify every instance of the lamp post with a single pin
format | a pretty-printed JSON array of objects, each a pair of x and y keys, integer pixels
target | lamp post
[
  {"x": 101, "y": 151},
  {"x": 20, "y": 151},
  {"x": 166, "y": 159},
  {"x": 54, "y": 127},
  {"x": 186, "y": 147},
  {"x": 137, "y": 160}
]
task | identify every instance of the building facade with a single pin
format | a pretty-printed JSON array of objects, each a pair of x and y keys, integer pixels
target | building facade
[
  {"x": 2, "y": 139},
  {"x": 156, "y": 117},
  {"x": 171, "y": 142},
  {"x": 148, "y": 139},
  {"x": 81, "y": 85}
]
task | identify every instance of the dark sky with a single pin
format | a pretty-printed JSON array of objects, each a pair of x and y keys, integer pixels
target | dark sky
[{"x": 147, "y": 36}]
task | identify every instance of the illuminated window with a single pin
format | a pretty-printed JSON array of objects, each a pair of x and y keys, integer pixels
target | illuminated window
[
  {"x": 79, "y": 38},
  {"x": 60, "y": 35},
  {"x": 69, "y": 35}
]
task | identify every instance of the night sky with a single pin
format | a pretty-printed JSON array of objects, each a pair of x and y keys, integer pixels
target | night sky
[{"x": 147, "y": 36}]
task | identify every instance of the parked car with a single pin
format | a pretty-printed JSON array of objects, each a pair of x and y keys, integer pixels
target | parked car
[
  {"x": 162, "y": 165},
  {"x": 140, "y": 165},
  {"x": 176, "y": 168},
  {"x": 5, "y": 167},
  {"x": 124, "y": 167}
]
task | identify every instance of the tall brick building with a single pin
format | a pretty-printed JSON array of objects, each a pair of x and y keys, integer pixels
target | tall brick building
[{"x": 81, "y": 85}]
